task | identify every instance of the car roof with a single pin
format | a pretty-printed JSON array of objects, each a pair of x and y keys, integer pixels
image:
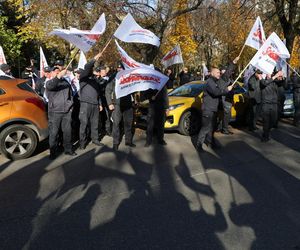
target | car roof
[{"x": 11, "y": 83}]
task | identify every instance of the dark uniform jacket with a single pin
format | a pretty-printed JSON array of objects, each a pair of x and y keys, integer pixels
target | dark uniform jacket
[
  {"x": 269, "y": 91},
  {"x": 124, "y": 102},
  {"x": 254, "y": 89},
  {"x": 161, "y": 101},
  {"x": 215, "y": 89},
  {"x": 59, "y": 93},
  {"x": 90, "y": 90},
  {"x": 295, "y": 80}
]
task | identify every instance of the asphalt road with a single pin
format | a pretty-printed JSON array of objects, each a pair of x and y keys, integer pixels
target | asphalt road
[{"x": 245, "y": 195}]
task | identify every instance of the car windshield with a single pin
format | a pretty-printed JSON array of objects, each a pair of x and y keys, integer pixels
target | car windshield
[
  {"x": 188, "y": 90},
  {"x": 25, "y": 86}
]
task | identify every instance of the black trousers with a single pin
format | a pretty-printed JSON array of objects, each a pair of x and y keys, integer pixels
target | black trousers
[
  {"x": 57, "y": 122},
  {"x": 206, "y": 133},
  {"x": 89, "y": 114},
  {"x": 105, "y": 120},
  {"x": 155, "y": 123},
  {"x": 226, "y": 114},
  {"x": 119, "y": 114},
  {"x": 254, "y": 112},
  {"x": 269, "y": 114},
  {"x": 297, "y": 108}
]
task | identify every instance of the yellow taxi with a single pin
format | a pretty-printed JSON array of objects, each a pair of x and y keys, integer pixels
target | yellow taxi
[{"x": 185, "y": 107}]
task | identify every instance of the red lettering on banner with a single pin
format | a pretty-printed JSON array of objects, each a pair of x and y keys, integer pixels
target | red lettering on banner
[
  {"x": 127, "y": 62},
  {"x": 169, "y": 56},
  {"x": 140, "y": 31},
  {"x": 137, "y": 77},
  {"x": 272, "y": 54},
  {"x": 93, "y": 37}
]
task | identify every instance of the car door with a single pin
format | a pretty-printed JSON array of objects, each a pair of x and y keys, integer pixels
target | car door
[{"x": 5, "y": 105}]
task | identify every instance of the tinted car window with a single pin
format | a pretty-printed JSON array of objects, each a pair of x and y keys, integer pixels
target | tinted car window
[
  {"x": 26, "y": 87},
  {"x": 2, "y": 92},
  {"x": 238, "y": 89},
  {"x": 188, "y": 90}
]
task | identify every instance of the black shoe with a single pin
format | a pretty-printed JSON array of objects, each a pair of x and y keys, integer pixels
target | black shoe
[
  {"x": 116, "y": 147},
  {"x": 226, "y": 132},
  {"x": 52, "y": 156},
  {"x": 98, "y": 143},
  {"x": 147, "y": 144},
  {"x": 199, "y": 148},
  {"x": 265, "y": 139},
  {"x": 253, "y": 128},
  {"x": 71, "y": 153},
  {"x": 163, "y": 142},
  {"x": 130, "y": 144}
]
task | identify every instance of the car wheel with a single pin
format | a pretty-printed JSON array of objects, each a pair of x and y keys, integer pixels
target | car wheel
[
  {"x": 189, "y": 123},
  {"x": 17, "y": 142}
]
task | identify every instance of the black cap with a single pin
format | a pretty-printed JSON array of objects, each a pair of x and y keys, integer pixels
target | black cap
[
  {"x": 257, "y": 71},
  {"x": 99, "y": 68},
  {"x": 59, "y": 62},
  {"x": 79, "y": 70},
  {"x": 4, "y": 67},
  {"x": 54, "y": 68},
  {"x": 47, "y": 69}
]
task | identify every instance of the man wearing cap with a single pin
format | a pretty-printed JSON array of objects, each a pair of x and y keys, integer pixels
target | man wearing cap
[
  {"x": 269, "y": 99},
  {"x": 40, "y": 84},
  {"x": 59, "y": 64},
  {"x": 59, "y": 93},
  {"x": 122, "y": 110},
  {"x": 90, "y": 103},
  {"x": 255, "y": 98},
  {"x": 6, "y": 75}
]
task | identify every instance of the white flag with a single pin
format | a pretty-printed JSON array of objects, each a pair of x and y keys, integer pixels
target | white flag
[
  {"x": 128, "y": 62},
  {"x": 172, "y": 57},
  {"x": 82, "y": 61},
  {"x": 83, "y": 39},
  {"x": 257, "y": 37},
  {"x": 269, "y": 54},
  {"x": 2, "y": 57},
  {"x": 139, "y": 79},
  {"x": 43, "y": 62},
  {"x": 129, "y": 31},
  {"x": 205, "y": 71}
]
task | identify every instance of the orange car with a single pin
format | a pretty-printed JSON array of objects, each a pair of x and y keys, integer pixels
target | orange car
[{"x": 23, "y": 120}]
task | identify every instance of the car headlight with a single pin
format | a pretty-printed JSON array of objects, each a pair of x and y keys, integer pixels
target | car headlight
[{"x": 175, "y": 106}]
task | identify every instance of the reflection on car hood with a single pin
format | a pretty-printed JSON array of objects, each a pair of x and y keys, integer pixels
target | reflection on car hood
[{"x": 173, "y": 100}]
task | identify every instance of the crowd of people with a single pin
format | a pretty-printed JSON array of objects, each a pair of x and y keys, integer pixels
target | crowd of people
[{"x": 82, "y": 104}]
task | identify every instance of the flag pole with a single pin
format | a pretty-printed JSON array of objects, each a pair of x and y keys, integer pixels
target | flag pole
[
  {"x": 76, "y": 52},
  {"x": 292, "y": 68},
  {"x": 242, "y": 50},
  {"x": 240, "y": 74}
]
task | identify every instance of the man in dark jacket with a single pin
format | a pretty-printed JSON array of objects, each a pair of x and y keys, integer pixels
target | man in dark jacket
[
  {"x": 90, "y": 103},
  {"x": 157, "y": 111},
  {"x": 269, "y": 98},
  {"x": 184, "y": 76},
  {"x": 255, "y": 99},
  {"x": 122, "y": 110},
  {"x": 59, "y": 94},
  {"x": 211, "y": 99},
  {"x": 295, "y": 80}
]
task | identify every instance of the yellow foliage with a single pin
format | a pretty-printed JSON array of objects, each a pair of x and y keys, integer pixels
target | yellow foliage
[
  {"x": 295, "y": 56},
  {"x": 181, "y": 33}
]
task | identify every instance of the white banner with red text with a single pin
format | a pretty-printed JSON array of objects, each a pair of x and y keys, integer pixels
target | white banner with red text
[
  {"x": 256, "y": 37},
  {"x": 83, "y": 39},
  {"x": 268, "y": 56},
  {"x": 174, "y": 56},
  {"x": 139, "y": 79},
  {"x": 129, "y": 31}
]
